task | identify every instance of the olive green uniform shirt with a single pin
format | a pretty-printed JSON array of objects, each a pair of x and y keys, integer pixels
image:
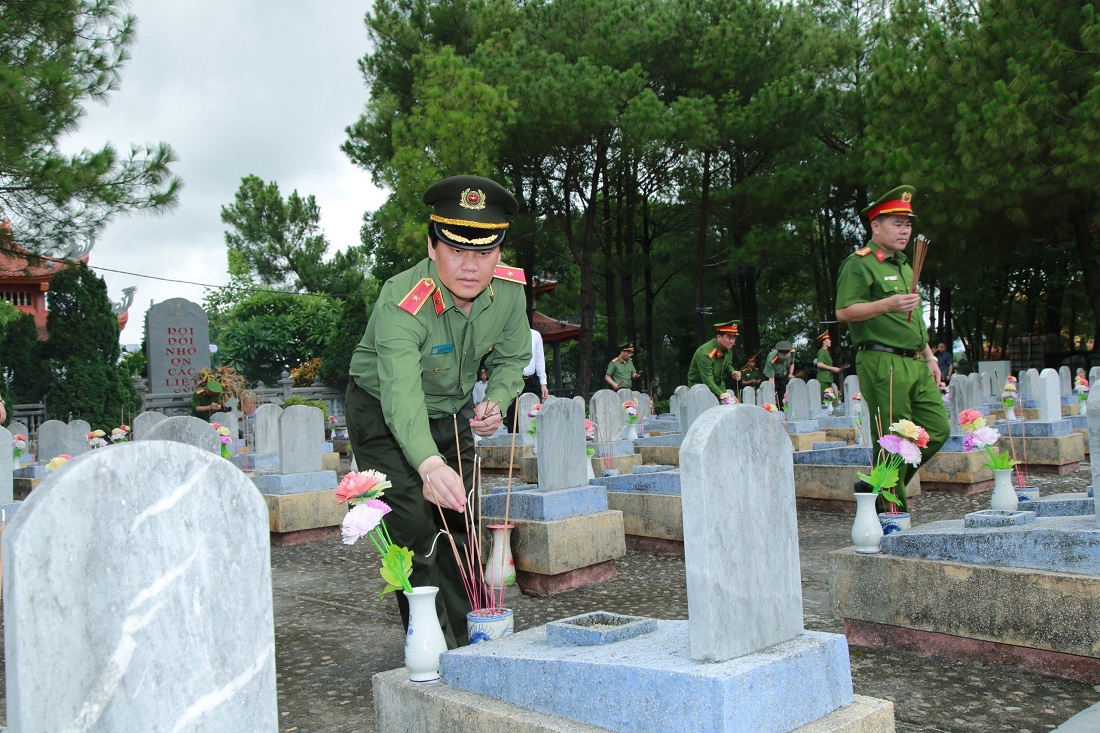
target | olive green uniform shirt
[
  {"x": 424, "y": 366},
  {"x": 864, "y": 279},
  {"x": 621, "y": 372},
  {"x": 751, "y": 376},
  {"x": 824, "y": 375},
  {"x": 780, "y": 368},
  {"x": 710, "y": 366}
]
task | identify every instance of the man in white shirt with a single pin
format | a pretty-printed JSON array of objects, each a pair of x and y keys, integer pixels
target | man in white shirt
[{"x": 534, "y": 376}]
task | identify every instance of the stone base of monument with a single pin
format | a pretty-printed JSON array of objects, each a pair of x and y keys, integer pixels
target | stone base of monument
[
  {"x": 1028, "y": 413},
  {"x": 1061, "y": 505},
  {"x": 330, "y": 461},
  {"x": 256, "y": 461},
  {"x": 1060, "y": 455},
  {"x": 1021, "y": 595},
  {"x": 529, "y": 466},
  {"x": 644, "y": 684},
  {"x": 652, "y": 522},
  {"x": 22, "y": 487},
  {"x": 407, "y": 707},
  {"x": 559, "y": 555},
  {"x": 305, "y": 510},
  {"x": 805, "y": 441},
  {"x": 954, "y": 471},
  {"x": 1071, "y": 410},
  {"x": 295, "y": 483},
  {"x": 828, "y": 488},
  {"x": 503, "y": 456},
  {"x": 848, "y": 435},
  {"x": 341, "y": 446}
]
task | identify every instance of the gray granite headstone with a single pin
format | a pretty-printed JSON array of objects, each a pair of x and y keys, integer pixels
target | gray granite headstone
[
  {"x": 1023, "y": 384},
  {"x": 188, "y": 430},
  {"x": 231, "y": 419},
  {"x": 606, "y": 410},
  {"x": 53, "y": 440},
  {"x": 267, "y": 428},
  {"x": 865, "y": 422},
  {"x": 766, "y": 393},
  {"x": 748, "y": 396},
  {"x": 851, "y": 389},
  {"x": 798, "y": 405},
  {"x": 960, "y": 400},
  {"x": 78, "y": 437},
  {"x": 975, "y": 393},
  {"x": 19, "y": 428},
  {"x": 986, "y": 382},
  {"x": 699, "y": 399},
  {"x": 1033, "y": 381},
  {"x": 144, "y": 422},
  {"x": 527, "y": 402},
  {"x": 737, "y": 491},
  {"x": 561, "y": 463},
  {"x": 1065, "y": 380},
  {"x": 1094, "y": 438},
  {"x": 1094, "y": 374},
  {"x": 813, "y": 391},
  {"x": 549, "y": 398},
  {"x": 177, "y": 338},
  {"x": 1050, "y": 395},
  {"x": 7, "y": 466},
  {"x": 676, "y": 400},
  {"x": 301, "y": 432},
  {"x": 166, "y": 621},
  {"x": 580, "y": 401}
]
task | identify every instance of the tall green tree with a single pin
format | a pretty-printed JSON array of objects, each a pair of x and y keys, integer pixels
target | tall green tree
[
  {"x": 279, "y": 243},
  {"x": 55, "y": 57},
  {"x": 21, "y": 361},
  {"x": 82, "y": 353}
]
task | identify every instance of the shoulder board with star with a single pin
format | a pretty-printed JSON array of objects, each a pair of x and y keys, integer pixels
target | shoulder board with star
[
  {"x": 417, "y": 297},
  {"x": 511, "y": 274},
  {"x": 715, "y": 354},
  {"x": 863, "y": 252}
]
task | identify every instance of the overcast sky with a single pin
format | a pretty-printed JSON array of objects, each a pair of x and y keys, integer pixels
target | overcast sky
[{"x": 236, "y": 87}]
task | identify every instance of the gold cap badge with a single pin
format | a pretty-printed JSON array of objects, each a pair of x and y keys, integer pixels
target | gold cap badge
[{"x": 472, "y": 199}]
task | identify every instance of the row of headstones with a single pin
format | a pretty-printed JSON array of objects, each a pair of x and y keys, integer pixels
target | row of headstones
[
  {"x": 988, "y": 386},
  {"x": 804, "y": 396},
  {"x": 164, "y": 581},
  {"x": 605, "y": 411}
]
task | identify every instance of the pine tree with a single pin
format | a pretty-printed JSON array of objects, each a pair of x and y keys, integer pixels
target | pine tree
[{"x": 82, "y": 353}]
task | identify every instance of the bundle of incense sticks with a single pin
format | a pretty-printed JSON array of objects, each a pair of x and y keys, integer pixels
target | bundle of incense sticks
[{"x": 920, "y": 251}]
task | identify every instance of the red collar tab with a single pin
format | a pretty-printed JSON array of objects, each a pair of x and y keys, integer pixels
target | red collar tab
[
  {"x": 880, "y": 255},
  {"x": 437, "y": 300}
]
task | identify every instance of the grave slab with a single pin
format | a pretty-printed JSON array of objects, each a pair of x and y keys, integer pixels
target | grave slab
[
  {"x": 951, "y": 471},
  {"x": 304, "y": 510},
  {"x": 295, "y": 483},
  {"x": 553, "y": 548},
  {"x": 547, "y": 505},
  {"x": 502, "y": 457},
  {"x": 657, "y": 516}
]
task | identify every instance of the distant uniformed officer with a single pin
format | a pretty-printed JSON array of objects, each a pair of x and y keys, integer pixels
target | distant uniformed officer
[
  {"x": 414, "y": 370},
  {"x": 779, "y": 367},
  {"x": 713, "y": 361},
  {"x": 621, "y": 370},
  {"x": 872, "y": 296},
  {"x": 751, "y": 376},
  {"x": 824, "y": 361}
]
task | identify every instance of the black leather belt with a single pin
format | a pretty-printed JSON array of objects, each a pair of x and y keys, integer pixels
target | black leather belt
[{"x": 889, "y": 350}]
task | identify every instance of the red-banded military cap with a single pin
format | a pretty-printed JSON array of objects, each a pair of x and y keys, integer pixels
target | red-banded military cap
[
  {"x": 822, "y": 337},
  {"x": 470, "y": 212},
  {"x": 898, "y": 202},
  {"x": 729, "y": 327}
]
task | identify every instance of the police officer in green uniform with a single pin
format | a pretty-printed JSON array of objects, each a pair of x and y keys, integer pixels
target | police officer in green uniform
[
  {"x": 893, "y": 358},
  {"x": 824, "y": 362},
  {"x": 713, "y": 361},
  {"x": 620, "y": 371},
  {"x": 751, "y": 376},
  {"x": 779, "y": 367},
  {"x": 414, "y": 370}
]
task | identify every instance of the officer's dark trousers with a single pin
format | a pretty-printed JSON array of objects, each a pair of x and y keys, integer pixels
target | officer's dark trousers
[
  {"x": 414, "y": 523},
  {"x": 531, "y": 385}
]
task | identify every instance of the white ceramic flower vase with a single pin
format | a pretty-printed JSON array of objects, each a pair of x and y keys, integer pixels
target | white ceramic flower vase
[
  {"x": 866, "y": 529},
  {"x": 424, "y": 640},
  {"x": 588, "y": 468},
  {"x": 500, "y": 571},
  {"x": 631, "y": 432},
  {"x": 1004, "y": 495},
  {"x": 481, "y": 628},
  {"x": 1010, "y": 413},
  {"x": 1082, "y": 408}
]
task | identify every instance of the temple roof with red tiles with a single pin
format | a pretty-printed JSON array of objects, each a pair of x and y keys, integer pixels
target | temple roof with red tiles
[{"x": 553, "y": 329}]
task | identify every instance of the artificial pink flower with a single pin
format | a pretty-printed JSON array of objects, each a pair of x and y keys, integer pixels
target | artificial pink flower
[
  {"x": 534, "y": 410},
  {"x": 215, "y": 425},
  {"x": 589, "y": 428},
  {"x": 362, "y": 519},
  {"x": 225, "y": 439},
  {"x": 891, "y": 443},
  {"x": 909, "y": 453},
  {"x": 968, "y": 416},
  {"x": 358, "y": 483},
  {"x": 922, "y": 438},
  {"x": 984, "y": 438}
]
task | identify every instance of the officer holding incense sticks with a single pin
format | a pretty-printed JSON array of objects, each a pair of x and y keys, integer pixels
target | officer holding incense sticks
[
  {"x": 897, "y": 371},
  {"x": 408, "y": 403}
]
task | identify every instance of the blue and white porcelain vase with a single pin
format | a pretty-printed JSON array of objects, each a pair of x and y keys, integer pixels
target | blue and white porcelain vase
[
  {"x": 489, "y": 627},
  {"x": 424, "y": 640}
]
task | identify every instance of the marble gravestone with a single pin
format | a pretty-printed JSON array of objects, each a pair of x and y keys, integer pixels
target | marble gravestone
[
  {"x": 960, "y": 400},
  {"x": 7, "y": 467},
  {"x": 766, "y": 393},
  {"x": 813, "y": 391},
  {"x": 580, "y": 401},
  {"x": 699, "y": 399},
  {"x": 851, "y": 389},
  {"x": 1094, "y": 440},
  {"x": 301, "y": 433},
  {"x": 166, "y": 622},
  {"x": 144, "y": 422},
  {"x": 189, "y": 430},
  {"x": 1065, "y": 380},
  {"x": 18, "y": 428},
  {"x": 53, "y": 440},
  {"x": 267, "y": 428},
  {"x": 606, "y": 411},
  {"x": 677, "y": 400},
  {"x": 1050, "y": 396},
  {"x": 78, "y": 437},
  {"x": 1026, "y": 387},
  {"x": 177, "y": 345},
  {"x": 527, "y": 402},
  {"x": 1094, "y": 374},
  {"x": 737, "y": 490},
  {"x": 748, "y": 396},
  {"x": 798, "y": 405},
  {"x": 562, "y": 456}
]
